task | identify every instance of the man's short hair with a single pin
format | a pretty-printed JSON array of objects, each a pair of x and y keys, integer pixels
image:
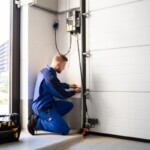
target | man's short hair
[{"x": 60, "y": 57}]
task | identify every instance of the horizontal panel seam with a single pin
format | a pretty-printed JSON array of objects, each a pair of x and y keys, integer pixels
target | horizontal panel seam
[{"x": 118, "y": 5}]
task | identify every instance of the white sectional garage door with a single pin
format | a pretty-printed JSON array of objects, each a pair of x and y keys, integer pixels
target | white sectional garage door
[{"x": 118, "y": 70}]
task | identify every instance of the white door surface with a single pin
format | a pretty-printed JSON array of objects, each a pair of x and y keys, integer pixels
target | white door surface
[{"x": 118, "y": 69}]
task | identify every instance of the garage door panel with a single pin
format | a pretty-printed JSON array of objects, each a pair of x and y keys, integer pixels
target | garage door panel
[
  {"x": 117, "y": 112},
  {"x": 120, "y": 83},
  {"x": 120, "y": 70},
  {"x": 123, "y": 26},
  {"x": 126, "y": 128},
  {"x": 102, "y": 4}
]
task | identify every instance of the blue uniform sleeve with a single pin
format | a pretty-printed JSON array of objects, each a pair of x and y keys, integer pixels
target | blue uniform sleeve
[
  {"x": 65, "y": 85},
  {"x": 57, "y": 89}
]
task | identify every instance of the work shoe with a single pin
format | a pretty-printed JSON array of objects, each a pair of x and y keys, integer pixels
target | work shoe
[{"x": 32, "y": 123}]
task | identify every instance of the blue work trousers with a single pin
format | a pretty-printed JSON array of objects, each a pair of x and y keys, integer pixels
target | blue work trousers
[{"x": 52, "y": 120}]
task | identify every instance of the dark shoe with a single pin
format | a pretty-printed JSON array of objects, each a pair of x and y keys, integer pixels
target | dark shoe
[{"x": 32, "y": 123}]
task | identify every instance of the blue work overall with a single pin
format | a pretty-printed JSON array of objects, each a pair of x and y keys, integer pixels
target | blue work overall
[{"x": 50, "y": 111}]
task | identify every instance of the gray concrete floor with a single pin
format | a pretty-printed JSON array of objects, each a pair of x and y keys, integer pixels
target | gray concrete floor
[
  {"x": 93, "y": 142},
  {"x": 42, "y": 141},
  {"x": 74, "y": 141}
]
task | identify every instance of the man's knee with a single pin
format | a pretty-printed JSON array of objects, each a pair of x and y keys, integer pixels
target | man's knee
[{"x": 61, "y": 128}]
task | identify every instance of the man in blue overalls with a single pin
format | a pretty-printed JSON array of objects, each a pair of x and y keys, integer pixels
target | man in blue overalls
[{"x": 49, "y": 111}]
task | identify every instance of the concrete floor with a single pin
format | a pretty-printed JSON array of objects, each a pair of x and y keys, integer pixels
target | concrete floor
[
  {"x": 93, "y": 142},
  {"x": 74, "y": 141},
  {"x": 42, "y": 141}
]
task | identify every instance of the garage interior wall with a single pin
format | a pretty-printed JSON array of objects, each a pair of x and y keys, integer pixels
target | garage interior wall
[
  {"x": 37, "y": 50},
  {"x": 118, "y": 37},
  {"x": 71, "y": 74}
]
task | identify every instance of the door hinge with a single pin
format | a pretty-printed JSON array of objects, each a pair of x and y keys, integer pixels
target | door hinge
[
  {"x": 87, "y": 93},
  {"x": 17, "y": 2},
  {"x": 87, "y": 14},
  {"x": 86, "y": 54}
]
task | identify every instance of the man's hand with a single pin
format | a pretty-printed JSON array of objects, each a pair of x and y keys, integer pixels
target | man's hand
[
  {"x": 73, "y": 86},
  {"x": 76, "y": 87},
  {"x": 78, "y": 90}
]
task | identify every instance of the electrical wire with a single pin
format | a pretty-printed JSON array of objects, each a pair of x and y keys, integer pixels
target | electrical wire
[
  {"x": 81, "y": 73},
  {"x": 57, "y": 45}
]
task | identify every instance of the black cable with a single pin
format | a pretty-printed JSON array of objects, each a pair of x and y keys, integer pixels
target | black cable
[
  {"x": 81, "y": 71},
  {"x": 57, "y": 46}
]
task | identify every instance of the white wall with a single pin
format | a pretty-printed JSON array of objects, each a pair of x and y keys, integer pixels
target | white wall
[
  {"x": 24, "y": 53},
  {"x": 37, "y": 50},
  {"x": 71, "y": 74},
  {"x": 24, "y": 66},
  {"x": 41, "y": 43},
  {"x": 119, "y": 66},
  {"x": 64, "y": 5},
  {"x": 47, "y": 4}
]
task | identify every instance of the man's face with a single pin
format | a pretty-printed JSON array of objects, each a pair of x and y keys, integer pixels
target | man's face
[{"x": 61, "y": 67}]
